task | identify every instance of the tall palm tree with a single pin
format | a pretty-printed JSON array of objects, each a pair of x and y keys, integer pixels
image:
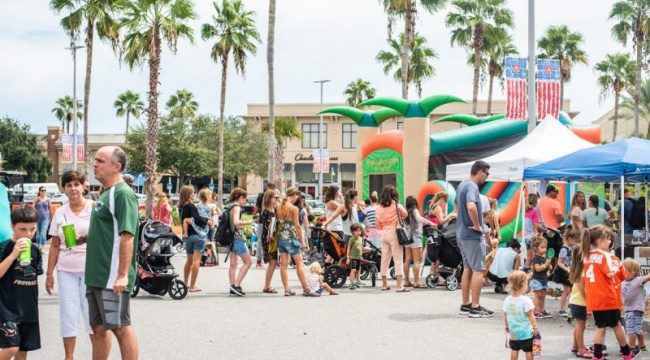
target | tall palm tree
[
  {"x": 420, "y": 67},
  {"x": 470, "y": 21},
  {"x": 407, "y": 9},
  {"x": 128, "y": 103},
  {"x": 95, "y": 15},
  {"x": 632, "y": 19},
  {"x": 286, "y": 129},
  {"x": 644, "y": 106},
  {"x": 498, "y": 45},
  {"x": 147, "y": 24},
  {"x": 64, "y": 110},
  {"x": 270, "y": 51},
  {"x": 358, "y": 91},
  {"x": 182, "y": 104},
  {"x": 234, "y": 32},
  {"x": 565, "y": 45},
  {"x": 615, "y": 73}
]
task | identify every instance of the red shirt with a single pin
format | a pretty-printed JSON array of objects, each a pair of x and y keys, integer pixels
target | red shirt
[{"x": 600, "y": 289}]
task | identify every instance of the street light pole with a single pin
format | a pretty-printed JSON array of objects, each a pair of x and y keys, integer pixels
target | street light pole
[
  {"x": 532, "y": 103},
  {"x": 320, "y": 142},
  {"x": 74, "y": 49}
]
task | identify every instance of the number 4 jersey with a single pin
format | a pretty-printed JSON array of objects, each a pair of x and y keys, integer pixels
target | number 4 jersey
[{"x": 601, "y": 290}]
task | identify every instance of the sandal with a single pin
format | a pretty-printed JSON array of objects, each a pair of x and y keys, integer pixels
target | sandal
[
  {"x": 408, "y": 284},
  {"x": 270, "y": 291},
  {"x": 420, "y": 286},
  {"x": 402, "y": 290},
  {"x": 195, "y": 290},
  {"x": 333, "y": 293},
  {"x": 289, "y": 293},
  {"x": 385, "y": 288}
]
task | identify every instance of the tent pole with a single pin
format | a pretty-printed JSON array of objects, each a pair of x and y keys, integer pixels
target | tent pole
[
  {"x": 622, "y": 220},
  {"x": 646, "y": 208},
  {"x": 521, "y": 191}
]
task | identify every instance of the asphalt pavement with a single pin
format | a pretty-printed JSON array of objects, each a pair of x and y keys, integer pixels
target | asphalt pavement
[{"x": 358, "y": 324}]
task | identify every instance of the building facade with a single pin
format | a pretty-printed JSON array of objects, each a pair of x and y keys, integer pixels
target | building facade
[{"x": 625, "y": 125}]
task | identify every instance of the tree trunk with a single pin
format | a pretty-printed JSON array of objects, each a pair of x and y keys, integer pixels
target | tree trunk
[
  {"x": 279, "y": 164},
  {"x": 151, "y": 157},
  {"x": 408, "y": 35},
  {"x": 89, "y": 64},
  {"x": 616, "y": 96},
  {"x": 269, "y": 63},
  {"x": 126, "y": 133},
  {"x": 637, "y": 82},
  {"x": 222, "y": 109},
  {"x": 490, "y": 87},
  {"x": 478, "y": 46}
]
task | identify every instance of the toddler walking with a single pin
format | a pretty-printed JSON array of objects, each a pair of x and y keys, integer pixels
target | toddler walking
[
  {"x": 519, "y": 316},
  {"x": 539, "y": 281},
  {"x": 634, "y": 304}
]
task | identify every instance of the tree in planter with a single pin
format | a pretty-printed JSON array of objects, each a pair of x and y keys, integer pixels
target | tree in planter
[
  {"x": 64, "y": 110},
  {"x": 20, "y": 152},
  {"x": 615, "y": 73},
  {"x": 128, "y": 103},
  {"x": 285, "y": 129}
]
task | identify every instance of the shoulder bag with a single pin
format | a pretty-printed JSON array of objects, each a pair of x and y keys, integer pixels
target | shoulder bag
[{"x": 402, "y": 235}]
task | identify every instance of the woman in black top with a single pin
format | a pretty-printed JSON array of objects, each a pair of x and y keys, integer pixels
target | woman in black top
[
  {"x": 194, "y": 244},
  {"x": 269, "y": 242}
]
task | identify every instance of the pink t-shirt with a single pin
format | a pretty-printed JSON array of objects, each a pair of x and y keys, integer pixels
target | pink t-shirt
[
  {"x": 386, "y": 217},
  {"x": 74, "y": 259},
  {"x": 549, "y": 209}
]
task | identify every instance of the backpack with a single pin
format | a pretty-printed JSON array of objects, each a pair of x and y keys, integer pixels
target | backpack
[
  {"x": 225, "y": 234},
  {"x": 637, "y": 219}
]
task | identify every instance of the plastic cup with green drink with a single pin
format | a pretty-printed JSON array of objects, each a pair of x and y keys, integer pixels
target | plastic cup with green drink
[
  {"x": 25, "y": 256},
  {"x": 69, "y": 235}
]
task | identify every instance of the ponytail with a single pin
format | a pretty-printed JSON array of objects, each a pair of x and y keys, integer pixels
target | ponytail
[{"x": 585, "y": 243}]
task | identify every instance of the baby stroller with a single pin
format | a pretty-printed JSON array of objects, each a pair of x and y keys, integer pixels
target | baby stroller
[
  {"x": 336, "y": 273},
  {"x": 155, "y": 273},
  {"x": 442, "y": 246}
]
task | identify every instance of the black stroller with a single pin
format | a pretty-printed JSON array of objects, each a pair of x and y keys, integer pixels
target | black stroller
[
  {"x": 155, "y": 273},
  {"x": 442, "y": 246}
]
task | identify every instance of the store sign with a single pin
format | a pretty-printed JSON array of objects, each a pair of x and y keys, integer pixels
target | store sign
[{"x": 310, "y": 157}]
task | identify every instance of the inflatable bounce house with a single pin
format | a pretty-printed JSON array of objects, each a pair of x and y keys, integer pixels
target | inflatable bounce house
[{"x": 415, "y": 161}]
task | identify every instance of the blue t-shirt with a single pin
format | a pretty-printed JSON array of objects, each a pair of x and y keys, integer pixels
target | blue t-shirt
[
  {"x": 516, "y": 309},
  {"x": 468, "y": 192},
  {"x": 627, "y": 216}
]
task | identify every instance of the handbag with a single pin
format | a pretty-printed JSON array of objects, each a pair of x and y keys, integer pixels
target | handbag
[{"x": 403, "y": 238}]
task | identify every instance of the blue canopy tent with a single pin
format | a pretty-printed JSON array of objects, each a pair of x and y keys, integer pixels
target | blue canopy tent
[{"x": 623, "y": 160}]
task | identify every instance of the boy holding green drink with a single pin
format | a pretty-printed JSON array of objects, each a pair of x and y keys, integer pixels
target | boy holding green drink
[{"x": 20, "y": 264}]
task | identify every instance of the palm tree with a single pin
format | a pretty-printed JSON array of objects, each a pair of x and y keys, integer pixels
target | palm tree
[
  {"x": 407, "y": 9},
  {"x": 615, "y": 73},
  {"x": 270, "y": 50},
  {"x": 644, "y": 105},
  {"x": 233, "y": 29},
  {"x": 182, "y": 104},
  {"x": 95, "y": 15},
  {"x": 562, "y": 44},
  {"x": 147, "y": 24},
  {"x": 470, "y": 21},
  {"x": 64, "y": 110},
  {"x": 498, "y": 45},
  {"x": 128, "y": 103},
  {"x": 358, "y": 91},
  {"x": 285, "y": 129},
  {"x": 633, "y": 20},
  {"x": 420, "y": 67}
]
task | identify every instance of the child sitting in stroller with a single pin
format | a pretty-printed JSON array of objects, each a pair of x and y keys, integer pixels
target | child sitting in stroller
[{"x": 315, "y": 280}]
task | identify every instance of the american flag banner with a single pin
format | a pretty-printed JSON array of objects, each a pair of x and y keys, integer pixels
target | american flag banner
[
  {"x": 516, "y": 88},
  {"x": 548, "y": 88},
  {"x": 66, "y": 153}
]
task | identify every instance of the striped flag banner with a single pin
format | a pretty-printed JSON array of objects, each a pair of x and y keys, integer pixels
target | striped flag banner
[
  {"x": 548, "y": 88},
  {"x": 516, "y": 88},
  {"x": 66, "y": 153}
]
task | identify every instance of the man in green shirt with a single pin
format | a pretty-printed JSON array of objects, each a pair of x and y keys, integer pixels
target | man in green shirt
[{"x": 110, "y": 257}]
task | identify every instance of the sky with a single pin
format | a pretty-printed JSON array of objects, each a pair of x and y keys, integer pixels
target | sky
[{"x": 314, "y": 39}]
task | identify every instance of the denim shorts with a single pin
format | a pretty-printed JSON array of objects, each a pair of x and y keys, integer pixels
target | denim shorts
[
  {"x": 291, "y": 247},
  {"x": 537, "y": 285},
  {"x": 239, "y": 247},
  {"x": 634, "y": 322},
  {"x": 194, "y": 244}
]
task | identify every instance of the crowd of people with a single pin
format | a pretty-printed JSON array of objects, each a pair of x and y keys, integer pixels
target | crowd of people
[{"x": 96, "y": 274}]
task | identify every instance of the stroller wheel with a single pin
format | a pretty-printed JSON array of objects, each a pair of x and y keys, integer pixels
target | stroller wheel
[
  {"x": 180, "y": 247},
  {"x": 392, "y": 273},
  {"x": 177, "y": 289},
  {"x": 335, "y": 276},
  {"x": 136, "y": 288},
  {"x": 452, "y": 283},
  {"x": 432, "y": 281},
  {"x": 364, "y": 272},
  {"x": 373, "y": 275}
]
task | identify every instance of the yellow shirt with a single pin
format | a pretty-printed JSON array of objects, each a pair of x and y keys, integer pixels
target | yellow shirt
[{"x": 576, "y": 297}]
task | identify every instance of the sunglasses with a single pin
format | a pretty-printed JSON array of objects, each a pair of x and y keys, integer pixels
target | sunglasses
[
  {"x": 276, "y": 197},
  {"x": 42, "y": 190},
  {"x": 487, "y": 173}
]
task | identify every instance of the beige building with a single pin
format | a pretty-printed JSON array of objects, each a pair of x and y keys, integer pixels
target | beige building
[
  {"x": 340, "y": 139},
  {"x": 625, "y": 125}
]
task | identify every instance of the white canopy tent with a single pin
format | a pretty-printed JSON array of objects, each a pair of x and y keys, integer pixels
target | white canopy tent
[{"x": 549, "y": 140}]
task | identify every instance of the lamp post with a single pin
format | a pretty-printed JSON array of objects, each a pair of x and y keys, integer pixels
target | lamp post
[
  {"x": 532, "y": 103},
  {"x": 74, "y": 49},
  {"x": 320, "y": 141}
]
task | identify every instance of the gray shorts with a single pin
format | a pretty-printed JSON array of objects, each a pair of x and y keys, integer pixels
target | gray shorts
[
  {"x": 473, "y": 252},
  {"x": 108, "y": 309},
  {"x": 634, "y": 322}
]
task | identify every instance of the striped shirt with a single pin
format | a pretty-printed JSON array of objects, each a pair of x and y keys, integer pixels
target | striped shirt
[{"x": 370, "y": 217}]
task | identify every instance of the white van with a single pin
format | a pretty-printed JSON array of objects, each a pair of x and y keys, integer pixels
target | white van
[{"x": 32, "y": 189}]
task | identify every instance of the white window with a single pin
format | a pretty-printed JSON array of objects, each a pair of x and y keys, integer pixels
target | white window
[
  {"x": 310, "y": 136},
  {"x": 349, "y": 136}
]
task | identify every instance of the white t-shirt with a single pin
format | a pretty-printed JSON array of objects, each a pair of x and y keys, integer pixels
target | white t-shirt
[
  {"x": 516, "y": 309},
  {"x": 74, "y": 259}
]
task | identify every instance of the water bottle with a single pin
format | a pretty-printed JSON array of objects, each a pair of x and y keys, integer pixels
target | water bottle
[{"x": 537, "y": 345}]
